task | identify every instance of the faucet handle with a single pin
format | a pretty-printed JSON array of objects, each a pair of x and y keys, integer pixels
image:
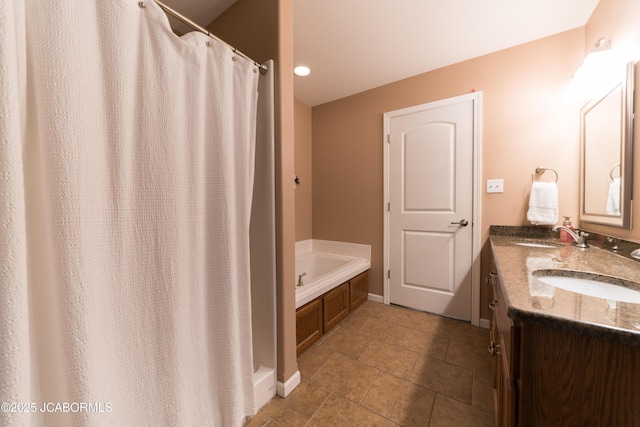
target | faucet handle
[
  {"x": 582, "y": 242},
  {"x": 611, "y": 242}
]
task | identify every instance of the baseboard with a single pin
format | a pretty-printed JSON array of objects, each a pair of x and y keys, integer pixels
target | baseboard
[
  {"x": 376, "y": 298},
  {"x": 283, "y": 389},
  {"x": 484, "y": 323}
]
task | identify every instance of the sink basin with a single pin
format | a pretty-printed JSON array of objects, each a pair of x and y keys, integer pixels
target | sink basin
[
  {"x": 593, "y": 285},
  {"x": 535, "y": 244}
]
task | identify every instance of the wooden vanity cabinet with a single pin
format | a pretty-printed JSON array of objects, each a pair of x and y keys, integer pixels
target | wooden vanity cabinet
[
  {"x": 504, "y": 347},
  {"x": 545, "y": 376},
  {"x": 570, "y": 379}
]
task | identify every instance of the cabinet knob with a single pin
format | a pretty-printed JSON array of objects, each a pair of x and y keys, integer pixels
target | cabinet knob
[
  {"x": 493, "y": 276},
  {"x": 494, "y": 349},
  {"x": 492, "y": 305}
]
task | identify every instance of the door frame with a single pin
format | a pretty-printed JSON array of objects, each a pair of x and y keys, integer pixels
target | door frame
[{"x": 476, "y": 98}]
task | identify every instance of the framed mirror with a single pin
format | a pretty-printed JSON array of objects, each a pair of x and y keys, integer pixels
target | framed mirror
[{"x": 606, "y": 166}]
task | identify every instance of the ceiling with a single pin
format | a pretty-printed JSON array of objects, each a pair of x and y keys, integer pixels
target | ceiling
[{"x": 356, "y": 45}]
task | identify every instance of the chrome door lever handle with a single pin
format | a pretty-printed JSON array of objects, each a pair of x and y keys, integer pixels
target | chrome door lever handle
[{"x": 462, "y": 222}]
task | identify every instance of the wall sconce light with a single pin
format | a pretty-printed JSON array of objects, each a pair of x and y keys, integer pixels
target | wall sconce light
[{"x": 598, "y": 73}]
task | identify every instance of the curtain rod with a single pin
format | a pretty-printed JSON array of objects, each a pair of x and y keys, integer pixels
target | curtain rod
[{"x": 263, "y": 68}]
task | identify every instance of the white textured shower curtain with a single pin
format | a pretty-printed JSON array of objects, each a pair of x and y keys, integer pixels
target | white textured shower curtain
[{"x": 126, "y": 172}]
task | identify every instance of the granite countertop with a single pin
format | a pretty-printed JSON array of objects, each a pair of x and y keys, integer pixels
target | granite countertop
[{"x": 529, "y": 300}]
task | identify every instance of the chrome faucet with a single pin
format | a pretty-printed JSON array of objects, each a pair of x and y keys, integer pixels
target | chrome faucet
[
  {"x": 579, "y": 237},
  {"x": 300, "y": 282}
]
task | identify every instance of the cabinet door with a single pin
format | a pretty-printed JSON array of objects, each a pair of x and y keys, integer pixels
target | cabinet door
[
  {"x": 335, "y": 306},
  {"x": 494, "y": 341},
  {"x": 507, "y": 390},
  {"x": 505, "y": 350},
  {"x": 308, "y": 325},
  {"x": 358, "y": 290}
]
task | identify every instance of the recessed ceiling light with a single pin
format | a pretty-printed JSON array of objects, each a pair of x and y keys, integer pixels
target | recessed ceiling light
[{"x": 302, "y": 71}]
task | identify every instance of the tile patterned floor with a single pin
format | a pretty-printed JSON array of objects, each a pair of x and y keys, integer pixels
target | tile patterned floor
[{"x": 390, "y": 366}]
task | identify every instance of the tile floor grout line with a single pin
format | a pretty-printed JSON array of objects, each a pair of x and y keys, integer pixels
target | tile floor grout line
[
  {"x": 433, "y": 406},
  {"x": 389, "y": 420},
  {"x": 318, "y": 408},
  {"x": 364, "y": 395},
  {"x": 321, "y": 366}
]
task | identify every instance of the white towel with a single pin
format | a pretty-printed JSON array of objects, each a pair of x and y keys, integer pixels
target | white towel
[
  {"x": 543, "y": 203},
  {"x": 613, "y": 198}
]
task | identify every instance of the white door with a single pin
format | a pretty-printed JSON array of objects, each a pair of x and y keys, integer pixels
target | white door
[{"x": 430, "y": 211}]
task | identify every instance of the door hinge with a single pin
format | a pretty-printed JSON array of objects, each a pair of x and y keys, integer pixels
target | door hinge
[
  {"x": 388, "y": 138},
  {"x": 388, "y": 206},
  {"x": 388, "y": 274}
]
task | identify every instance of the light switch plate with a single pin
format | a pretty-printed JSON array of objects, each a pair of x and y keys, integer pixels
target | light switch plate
[{"x": 495, "y": 186}]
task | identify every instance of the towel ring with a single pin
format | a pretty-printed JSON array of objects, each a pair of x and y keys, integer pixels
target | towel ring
[
  {"x": 540, "y": 170},
  {"x": 611, "y": 171}
]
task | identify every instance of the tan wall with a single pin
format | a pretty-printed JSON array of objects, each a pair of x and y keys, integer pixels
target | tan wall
[
  {"x": 619, "y": 21},
  {"x": 263, "y": 29},
  {"x": 304, "y": 191},
  {"x": 526, "y": 123}
]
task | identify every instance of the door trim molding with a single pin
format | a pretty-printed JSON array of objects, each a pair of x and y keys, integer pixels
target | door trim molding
[{"x": 476, "y": 97}]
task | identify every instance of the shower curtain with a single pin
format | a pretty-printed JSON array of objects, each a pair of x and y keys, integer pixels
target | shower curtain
[{"x": 126, "y": 173}]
